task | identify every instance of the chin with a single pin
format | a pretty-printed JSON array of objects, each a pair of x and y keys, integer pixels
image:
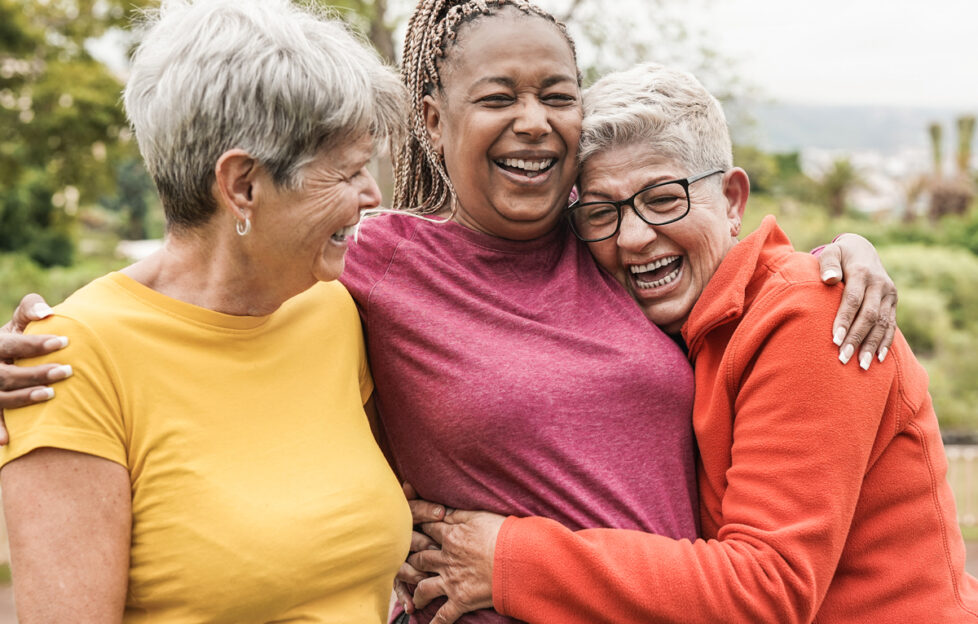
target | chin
[{"x": 329, "y": 272}]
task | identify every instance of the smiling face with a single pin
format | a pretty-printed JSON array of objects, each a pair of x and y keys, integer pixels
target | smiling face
[
  {"x": 665, "y": 268},
  {"x": 305, "y": 230},
  {"x": 508, "y": 121}
]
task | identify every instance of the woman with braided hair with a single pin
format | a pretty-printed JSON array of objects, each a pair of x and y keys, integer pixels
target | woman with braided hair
[{"x": 512, "y": 374}]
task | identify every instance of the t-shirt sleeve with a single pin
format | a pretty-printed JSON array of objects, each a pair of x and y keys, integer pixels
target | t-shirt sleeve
[{"x": 85, "y": 414}]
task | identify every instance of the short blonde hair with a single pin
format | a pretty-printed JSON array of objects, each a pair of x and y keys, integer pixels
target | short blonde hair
[{"x": 664, "y": 108}]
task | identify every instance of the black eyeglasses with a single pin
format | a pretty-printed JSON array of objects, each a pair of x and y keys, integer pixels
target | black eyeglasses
[{"x": 659, "y": 204}]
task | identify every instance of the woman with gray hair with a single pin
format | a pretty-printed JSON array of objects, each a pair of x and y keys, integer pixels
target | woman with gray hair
[
  {"x": 822, "y": 488},
  {"x": 210, "y": 458}
]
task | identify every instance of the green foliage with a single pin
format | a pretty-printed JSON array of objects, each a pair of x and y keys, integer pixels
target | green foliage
[
  {"x": 951, "y": 274},
  {"x": 31, "y": 223},
  {"x": 761, "y": 167},
  {"x": 61, "y": 127},
  {"x": 20, "y": 275},
  {"x": 837, "y": 183},
  {"x": 923, "y": 318}
]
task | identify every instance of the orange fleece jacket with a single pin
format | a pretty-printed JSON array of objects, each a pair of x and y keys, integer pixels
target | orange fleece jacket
[{"x": 822, "y": 486}]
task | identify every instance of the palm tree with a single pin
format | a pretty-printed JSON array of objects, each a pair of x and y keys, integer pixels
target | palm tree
[{"x": 838, "y": 182}]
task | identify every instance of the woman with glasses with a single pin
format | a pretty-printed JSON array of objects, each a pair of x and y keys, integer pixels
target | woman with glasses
[
  {"x": 512, "y": 374},
  {"x": 822, "y": 488}
]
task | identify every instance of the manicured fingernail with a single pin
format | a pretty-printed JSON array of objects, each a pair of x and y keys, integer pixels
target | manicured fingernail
[
  {"x": 830, "y": 274},
  {"x": 439, "y": 511},
  {"x": 838, "y": 336},
  {"x": 42, "y": 394},
  {"x": 58, "y": 342},
  {"x": 883, "y": 352},
  {"x": 846, "y": 353},
  {"x": 62, "y": 372},
  {"x": 865, "y": 358},
  {"x": 41, "y": 310}
]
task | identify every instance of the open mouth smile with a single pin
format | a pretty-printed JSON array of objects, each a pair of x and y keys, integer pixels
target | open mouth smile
[
  {"x": 340, "y": 236},
  {"x": 529, "y": 168},
  {"x": 658, "y": 273}
]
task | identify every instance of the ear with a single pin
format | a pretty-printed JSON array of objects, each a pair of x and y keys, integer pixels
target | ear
[
  {"x": 431, "y": 108},
  {"x": 236, "y": 181},
  {"x": 736, "y": 189}
]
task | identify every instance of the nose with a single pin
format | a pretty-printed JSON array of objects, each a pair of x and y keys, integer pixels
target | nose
[
  {"x": 634, "y": 234},
  {"x": 532, "y": 118},
  {"x": 369, "y": 192}
]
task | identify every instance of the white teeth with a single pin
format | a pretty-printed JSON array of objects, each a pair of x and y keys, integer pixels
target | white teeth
[
  {"x": 661, "y": 262},
  {"x": 350, "y": 230},
  {"x": 527, "y": 165},
  {"x": 659, "y": 282}
]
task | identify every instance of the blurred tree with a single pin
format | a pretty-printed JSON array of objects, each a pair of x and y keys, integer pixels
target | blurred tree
[
  {"x": 134, "y": 194},
  {"x": 761, "y": 167},
  {"x": 966, "y": 134},
  {"x": 954, "y": 194},
  {"x": 935, "y": 131},
  {"x": 62, "y": 130},
  {"x": 837, "y": 183}
]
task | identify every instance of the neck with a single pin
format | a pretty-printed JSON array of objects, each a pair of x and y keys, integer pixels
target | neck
[{"x": 211, "y": 267}]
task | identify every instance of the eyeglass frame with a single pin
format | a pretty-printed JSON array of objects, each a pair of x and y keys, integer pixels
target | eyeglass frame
[{"x": 630, "y": 202}]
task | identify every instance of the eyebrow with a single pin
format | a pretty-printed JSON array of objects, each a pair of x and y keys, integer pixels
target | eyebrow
[{"x": 506, "y": 81}]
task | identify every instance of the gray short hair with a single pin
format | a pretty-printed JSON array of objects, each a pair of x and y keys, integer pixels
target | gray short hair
[
  {"x": 278, "y": 81},
  {"x": 664, "y": 108}
]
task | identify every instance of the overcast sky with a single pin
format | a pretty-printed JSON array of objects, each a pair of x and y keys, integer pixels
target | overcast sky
[{"x": 896, "y": 52}]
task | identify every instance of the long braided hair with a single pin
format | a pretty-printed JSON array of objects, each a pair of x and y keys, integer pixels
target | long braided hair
[{"x": 421, "y": 183}]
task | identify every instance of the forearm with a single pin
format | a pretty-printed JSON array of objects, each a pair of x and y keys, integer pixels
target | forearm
[
  {"x": 69, "y": 519},
  {"x": 543, "y": 572}
]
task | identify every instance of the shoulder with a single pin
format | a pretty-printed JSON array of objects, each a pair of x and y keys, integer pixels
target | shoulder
[
  {"x": 323, "y": 302},
  {"x": 373, "y": 248},
  {"x": 99, "y": 305}
]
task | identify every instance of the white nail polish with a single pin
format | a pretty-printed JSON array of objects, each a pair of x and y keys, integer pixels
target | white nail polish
[
  {"x": 41, "y": 310},
  {"x": 882, "y": 355},
  {"x": 61, "y": 372},
  {"x": 830, "y": 274},
  {"x": 865, "y": 359},
  {"x": 838, "y": 336},
  {"x": 58, "y": 342},
  {"x": 42, "y": 394},
  {"x": 846, "y": 353}
]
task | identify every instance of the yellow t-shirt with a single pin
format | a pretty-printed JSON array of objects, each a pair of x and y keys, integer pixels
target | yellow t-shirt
[{"x": 258, "y": 493}]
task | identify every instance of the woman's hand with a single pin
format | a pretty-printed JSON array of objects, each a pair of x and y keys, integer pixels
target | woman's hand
[
  {"x": 24, "y": 386},
  {"x": 422, "y": 512},
  {"x": 866, "y": 321},
  {"x": 463, "y": 565}
]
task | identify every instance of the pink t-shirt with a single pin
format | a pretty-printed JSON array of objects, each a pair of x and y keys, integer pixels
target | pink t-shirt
[{"x": 516, "y": 377}]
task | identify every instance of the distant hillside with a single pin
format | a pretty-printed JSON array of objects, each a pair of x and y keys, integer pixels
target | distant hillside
[{"x": 789, "y": 127}]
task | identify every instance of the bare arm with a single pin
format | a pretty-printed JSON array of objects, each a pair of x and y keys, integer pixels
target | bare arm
[{"x": 69, "y": 518}]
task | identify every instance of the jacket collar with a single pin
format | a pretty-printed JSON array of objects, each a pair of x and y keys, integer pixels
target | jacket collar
[{"x": 726, "y": 296}]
